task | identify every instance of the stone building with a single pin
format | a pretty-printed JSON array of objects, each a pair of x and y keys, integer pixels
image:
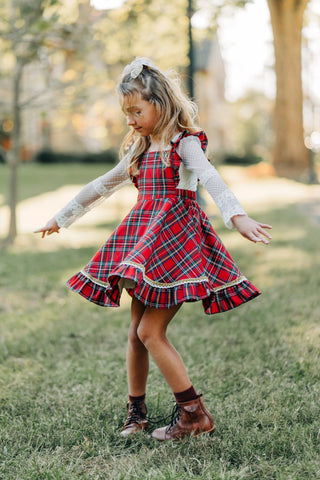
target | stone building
[{"x": 209, "y": 94}]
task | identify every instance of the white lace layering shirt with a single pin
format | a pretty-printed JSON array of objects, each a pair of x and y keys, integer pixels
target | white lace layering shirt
[{"x": 194, "y": 166}]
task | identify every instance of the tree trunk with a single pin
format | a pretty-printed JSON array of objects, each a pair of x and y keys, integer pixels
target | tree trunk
[
  {"x": 190, "y": 12},
  {"x": 291, "y": 157},
  {"x": 14, "y": 154}
]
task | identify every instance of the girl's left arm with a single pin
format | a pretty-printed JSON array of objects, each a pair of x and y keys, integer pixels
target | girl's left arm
[
  {"x": 90, "y": 195},
  {"x": 232, "y": 212}
]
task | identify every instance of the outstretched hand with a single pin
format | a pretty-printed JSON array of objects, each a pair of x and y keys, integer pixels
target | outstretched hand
[
  {"x": 252, "y": 230},
  {"x": 49, "y": 228}
]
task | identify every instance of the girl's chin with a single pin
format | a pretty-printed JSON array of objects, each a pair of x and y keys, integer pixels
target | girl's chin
[{"x": 142, "y": 134}]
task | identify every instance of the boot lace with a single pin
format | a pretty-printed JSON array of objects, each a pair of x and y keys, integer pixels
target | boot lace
[
  {"x": 136, "y": 413},
  {"x": 172, "y": 418},
  {"x": 175, "y": 416}
]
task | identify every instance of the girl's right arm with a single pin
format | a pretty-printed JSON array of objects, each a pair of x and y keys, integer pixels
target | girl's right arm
[
  {"x": 232, "y": 212},
  {"x": 92, "y": 194}
]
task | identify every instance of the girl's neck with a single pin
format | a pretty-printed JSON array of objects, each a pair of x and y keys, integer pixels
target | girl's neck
[
  {"x": 154, "y": 145},
  {"x": 155, "y": 142}
]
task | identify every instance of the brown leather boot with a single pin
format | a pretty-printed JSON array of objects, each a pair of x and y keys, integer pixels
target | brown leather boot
[
  {"x": 187, "y": 418},
  {"x": 136, "y": 420}
]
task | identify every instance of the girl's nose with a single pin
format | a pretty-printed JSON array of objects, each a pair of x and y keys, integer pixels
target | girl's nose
[{"x": 130, "y": 120}]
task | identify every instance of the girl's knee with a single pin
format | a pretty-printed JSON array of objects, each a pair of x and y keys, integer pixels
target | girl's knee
[
  {"x": 133, "y": 336},
  {"x": 142, "y": 333},
  {"x": 148, "y": 335}
]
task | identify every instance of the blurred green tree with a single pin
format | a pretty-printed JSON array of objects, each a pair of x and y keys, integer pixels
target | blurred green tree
[
  {"x": 252, "y": 125},
  {"x": 156, "y": 26},
  {"x": 43, "y": 37},
  {"x": 24, "y": 33}
]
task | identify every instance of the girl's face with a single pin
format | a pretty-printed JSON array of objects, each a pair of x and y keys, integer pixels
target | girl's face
[{"x": 141, "y": 115}]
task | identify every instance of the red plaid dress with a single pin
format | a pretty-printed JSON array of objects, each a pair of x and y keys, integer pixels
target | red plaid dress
[{"x": 165, "y": 251}]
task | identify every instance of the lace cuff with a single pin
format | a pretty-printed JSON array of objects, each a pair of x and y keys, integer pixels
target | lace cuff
[
  {"x": 229, "y": 207},
  {"x": 70, "y": 213}
]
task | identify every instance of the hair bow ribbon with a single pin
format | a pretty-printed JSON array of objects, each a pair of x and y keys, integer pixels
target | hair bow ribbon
[{"x": 136, "y": 67}]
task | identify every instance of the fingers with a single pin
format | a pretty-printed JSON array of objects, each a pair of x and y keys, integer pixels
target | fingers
[
  {"x": 260, "y": 235},
  {"x": 257, "y": 238},
  {"x": 266, "y": 234},
  {"x": 264, "y": 225},
  {"x": 41, "y": 230},
  {"x": 46, "y": 230},
  {"x": 253, "y": 230},
  {"x": 49, "y": 231}
]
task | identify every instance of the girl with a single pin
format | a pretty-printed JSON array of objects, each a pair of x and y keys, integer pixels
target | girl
[{"x": 164, "y": 252}]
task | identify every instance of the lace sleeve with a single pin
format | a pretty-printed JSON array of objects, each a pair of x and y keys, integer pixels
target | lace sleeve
[
  {"x": 189, "y": 149},
  {"x": 92, "y": 194}
]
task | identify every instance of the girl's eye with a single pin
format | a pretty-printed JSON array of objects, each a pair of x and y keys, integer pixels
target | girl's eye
[{"x": 138, "y": 113}]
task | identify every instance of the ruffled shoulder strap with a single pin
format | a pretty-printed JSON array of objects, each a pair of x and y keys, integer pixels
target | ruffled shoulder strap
[
  {"x": 201, "y": 135},
  {"x": 175, "y": 157}
]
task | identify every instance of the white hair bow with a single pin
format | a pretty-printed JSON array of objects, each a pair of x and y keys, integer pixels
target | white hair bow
[{"x": 136, "y": 67}]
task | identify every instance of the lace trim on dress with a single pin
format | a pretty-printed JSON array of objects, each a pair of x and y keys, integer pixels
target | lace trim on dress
[{"x": 152, "y": 283}]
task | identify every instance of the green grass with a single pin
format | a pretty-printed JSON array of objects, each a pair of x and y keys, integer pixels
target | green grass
[
  {"x": 35, "y": 178},
  {"x": 63, "y": 378}
]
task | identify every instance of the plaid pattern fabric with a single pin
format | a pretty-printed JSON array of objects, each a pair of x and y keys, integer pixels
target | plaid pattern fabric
[{"x": 165, "y": 251}]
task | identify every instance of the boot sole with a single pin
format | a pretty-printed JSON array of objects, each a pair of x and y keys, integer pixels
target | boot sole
[
  {"x": 207, "y": 432},
  {"x": 144, "y": 428}
]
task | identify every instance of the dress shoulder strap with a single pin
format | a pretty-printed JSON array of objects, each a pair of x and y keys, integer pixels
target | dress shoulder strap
[
  {"x": 201, "y": 135},
  {"x": 175, "y": 157}
]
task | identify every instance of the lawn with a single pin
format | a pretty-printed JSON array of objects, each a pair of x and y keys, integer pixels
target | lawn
[
  {"x": 63, "y": 379},
  {"x": 34, "y": 179}
]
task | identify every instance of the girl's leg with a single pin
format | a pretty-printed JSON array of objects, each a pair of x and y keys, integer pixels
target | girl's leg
[
  {"x": 191, "y": 416},
  {"x": 152, "y": 333},
  {"x": 137, "y": 371},
  {"x": 137, "y": 354}
]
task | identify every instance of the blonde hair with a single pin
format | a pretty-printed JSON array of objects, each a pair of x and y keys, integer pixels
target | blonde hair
[{"x": 175, "y": 110}]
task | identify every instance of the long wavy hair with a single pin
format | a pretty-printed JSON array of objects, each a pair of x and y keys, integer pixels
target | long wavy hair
[{"x": 176, "y": 112}]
